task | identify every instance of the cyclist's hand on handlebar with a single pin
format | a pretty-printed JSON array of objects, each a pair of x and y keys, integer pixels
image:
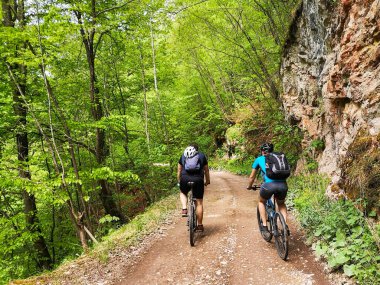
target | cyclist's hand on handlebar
[{"x": 253, "y": 187}]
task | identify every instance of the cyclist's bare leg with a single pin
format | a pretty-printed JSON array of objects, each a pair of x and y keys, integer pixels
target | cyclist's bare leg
[
  {"x": 183, "y": 199},
  {"x": 262, "y": 210},
  {"x": 199, "y": 211},
  {"x": 282, "y": 208}
]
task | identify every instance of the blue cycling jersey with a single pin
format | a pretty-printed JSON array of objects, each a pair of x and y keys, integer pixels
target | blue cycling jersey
[{"x": 259, "y": 163}]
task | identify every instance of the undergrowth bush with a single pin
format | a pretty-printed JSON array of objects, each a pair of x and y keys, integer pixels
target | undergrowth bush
[
  {"x": 238, "y": 166},
  {"x": 337, "y": 229}
]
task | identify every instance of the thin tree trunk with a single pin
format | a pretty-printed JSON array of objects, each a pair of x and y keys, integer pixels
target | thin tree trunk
[
  {"x": 145, "y": 101},
  {"x": 122, "y": 110},
  {"x": 11, "y": 14},
  {"x": 268, "y": 77},
  {"x": 156, "y": 84}
]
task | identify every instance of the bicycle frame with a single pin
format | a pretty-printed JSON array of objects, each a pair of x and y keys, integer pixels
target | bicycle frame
[
  {"x": 276, "y": 227},
  {"x": 270, "y": 209}
]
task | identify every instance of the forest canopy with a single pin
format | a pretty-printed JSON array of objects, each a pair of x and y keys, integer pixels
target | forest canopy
[{"x": 98, "y": 99}]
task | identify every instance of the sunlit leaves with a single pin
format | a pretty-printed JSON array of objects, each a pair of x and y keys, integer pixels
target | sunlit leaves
[{"x": 108, "y": 174}]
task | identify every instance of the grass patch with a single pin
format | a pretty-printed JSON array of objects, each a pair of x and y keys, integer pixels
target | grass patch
[
  {"x": 139, "y": 227},
  {"x": 122, "y": 238}
]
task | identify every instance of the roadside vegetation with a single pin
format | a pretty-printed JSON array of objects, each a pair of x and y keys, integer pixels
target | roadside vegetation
[{"x": 119, "y": 239}]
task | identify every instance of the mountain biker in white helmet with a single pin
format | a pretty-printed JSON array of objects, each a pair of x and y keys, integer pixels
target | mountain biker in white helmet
[{"x": 193, "y": 166}]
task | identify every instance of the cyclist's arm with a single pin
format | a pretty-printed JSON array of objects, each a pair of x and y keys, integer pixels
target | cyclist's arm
[
  {"x": 255, "y": 170},
  {"x": 207, "y": 175},
  {"x": 252, "y": 178},
  {"x": 179, "y": 170}
]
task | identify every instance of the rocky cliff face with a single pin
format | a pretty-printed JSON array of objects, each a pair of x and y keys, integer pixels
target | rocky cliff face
[{"x": 331, "y": 82}]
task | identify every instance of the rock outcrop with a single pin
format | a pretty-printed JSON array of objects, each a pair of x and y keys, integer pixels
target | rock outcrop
[{"x": 331, "y": 81}]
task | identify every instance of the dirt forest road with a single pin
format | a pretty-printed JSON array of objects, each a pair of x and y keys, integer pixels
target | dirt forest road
[{"x": 230, "y": 251}]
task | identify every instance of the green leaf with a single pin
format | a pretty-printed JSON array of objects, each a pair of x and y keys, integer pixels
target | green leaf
[
  {"x": 352, "y": 220},
  {"x": 349, "y": 270},
  {"x": 321, "y": 250},
  {"x": 372, "y": 214},
  {"x": 340, "y": 238},
  {"x": 318, "y": 232},
  {"x": 108, "y": 218},
  {"x": 339, "y": 259},
  {"x": 357, "y": 231}
]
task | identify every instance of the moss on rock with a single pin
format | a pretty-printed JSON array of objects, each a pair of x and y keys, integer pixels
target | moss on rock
[{"x": 361, "y": 171}]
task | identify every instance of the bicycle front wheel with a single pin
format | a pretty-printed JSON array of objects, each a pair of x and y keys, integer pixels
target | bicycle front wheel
[
  {"x": 281, "y": 236},
  {"x": 267, "y": 236}
]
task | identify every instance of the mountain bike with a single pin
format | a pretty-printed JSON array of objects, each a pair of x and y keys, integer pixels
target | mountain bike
[
  {"x": 192, "y": 218},
  {"x": 277, "y": 227}
]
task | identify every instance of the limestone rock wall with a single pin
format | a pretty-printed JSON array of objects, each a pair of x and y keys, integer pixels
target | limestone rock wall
[{"x": 331, "y": 77}]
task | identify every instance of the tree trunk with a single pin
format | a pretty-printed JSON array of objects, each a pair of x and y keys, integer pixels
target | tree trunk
[
  {"x": 59, "y": 168},
  {"x": 162, "y": 112},
  {"x": 11, "y": 14},
  {"x": 101, "y": 148},
  {"x": 146, "y": 118}
]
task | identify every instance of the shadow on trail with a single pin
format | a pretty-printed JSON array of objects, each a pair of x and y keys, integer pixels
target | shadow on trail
[{"x": 210, "y": 230}]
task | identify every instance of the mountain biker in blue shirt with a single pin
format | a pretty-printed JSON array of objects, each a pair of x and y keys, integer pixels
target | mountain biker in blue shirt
[{"x": 270, "y": 187}]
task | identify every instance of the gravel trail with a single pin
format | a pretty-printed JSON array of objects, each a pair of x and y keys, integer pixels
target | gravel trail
[{"x": 230, "y": 251}]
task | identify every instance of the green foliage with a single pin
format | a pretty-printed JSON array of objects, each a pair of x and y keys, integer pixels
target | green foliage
[
  {"x": 237, "y": 166},
  {"x": 110, "y": 175},
  {"x": 275, "y": 129},
  {"x": 141, "y": 225},
  {"x": 337, "y": 228},
  {"x": 204, "y": 69},
  {"x": 317, "y": 144},
  {"x": 311, "y": 164}
]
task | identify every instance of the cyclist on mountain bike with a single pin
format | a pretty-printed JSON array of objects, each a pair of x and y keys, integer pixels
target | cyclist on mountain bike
[
  {"x": 270, "y": 187},
  {"x": 193, "y": 166}
]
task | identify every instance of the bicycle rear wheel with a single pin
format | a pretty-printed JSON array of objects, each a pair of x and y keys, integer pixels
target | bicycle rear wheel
[
  {"x": 267, "y": 236},
  {"x": 281, "y": 236},
  {"x": 192, "y": 220}
]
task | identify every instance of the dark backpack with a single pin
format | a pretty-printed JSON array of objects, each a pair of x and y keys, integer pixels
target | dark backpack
[
  {"x": 192, "y": 165},
  {"x": 277, "y": 166}
]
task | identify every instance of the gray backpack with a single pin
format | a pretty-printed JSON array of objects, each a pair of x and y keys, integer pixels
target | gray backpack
[
  {"x": 277, "y": 166},
  {"x": 192, "y": 165}
]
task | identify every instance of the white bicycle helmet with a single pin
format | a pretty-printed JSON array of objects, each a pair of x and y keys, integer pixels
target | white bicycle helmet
[{"x": 190, "y": 151}]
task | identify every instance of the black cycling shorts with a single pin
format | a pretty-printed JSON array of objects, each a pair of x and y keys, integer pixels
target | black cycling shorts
[
  {"x": 198, "y": 187},
  {"x": 278, "y": 189}
]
